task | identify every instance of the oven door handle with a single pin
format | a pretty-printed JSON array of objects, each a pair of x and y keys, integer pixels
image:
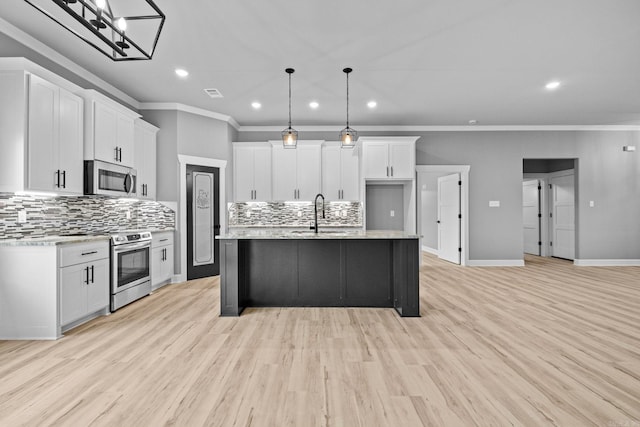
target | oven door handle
[{"x": 131, "y": 246}]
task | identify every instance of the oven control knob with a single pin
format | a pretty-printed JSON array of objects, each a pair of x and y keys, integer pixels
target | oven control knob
[{"x": 121, "y": 239}]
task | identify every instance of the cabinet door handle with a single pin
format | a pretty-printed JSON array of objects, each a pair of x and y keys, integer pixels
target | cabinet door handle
[
  {"x": 391, "y": 170},
  {"x": 120, "y": 154},
  {"x": 92, "y": 281},
  {"x": 89, "y": 253},
  {"x": 387, "y": 170},
  {"x": 116, "y": 154},
  {"x": 64, "y": 179},
  {"x": 86, "y": 281},
  {"x": 57, "y": 184},
  {"x": 163, "y": 240}
]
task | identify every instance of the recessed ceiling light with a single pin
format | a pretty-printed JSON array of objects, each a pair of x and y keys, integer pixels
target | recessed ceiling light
[
  {"x": 256, "y": 105},
  {"x": 181, "y": 72},
  {"x": 314, "y": 104},
  {"x": 372, "y": 104},
  {"x": 553, "y": 85}
]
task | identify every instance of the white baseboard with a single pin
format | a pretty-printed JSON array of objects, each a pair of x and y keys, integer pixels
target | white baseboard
[
  {"x": 495, "y": 263},
  {"x": 429, "y": 250},
  {"x": 606, "y": 262}
]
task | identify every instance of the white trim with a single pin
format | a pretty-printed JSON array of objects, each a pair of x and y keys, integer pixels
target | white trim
[
  {"x": 496, "y": 263},
  {"x": 607, "y": 262},
  {"x": 55, "y": 56},
  {"x": 183, "y": 161},
  {"x": 429, "y": 250},
  {"x": 463, "y": 170},
  {"x": 189, "y": 109},
  {"x": 429, "y": 128}
]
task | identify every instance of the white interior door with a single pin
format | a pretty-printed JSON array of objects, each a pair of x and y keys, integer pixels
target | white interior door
[
  {"x": 449, "y": 218},
  {"x": 563, "y": 216},
  {"x": 531, "y": 216}
]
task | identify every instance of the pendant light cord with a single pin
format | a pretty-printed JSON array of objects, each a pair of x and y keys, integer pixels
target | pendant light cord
[
  {"x": 289, "y": 100},
  {"x": 347, "y": 100}
]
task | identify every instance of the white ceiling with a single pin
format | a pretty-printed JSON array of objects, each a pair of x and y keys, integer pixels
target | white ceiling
[{"x": 425, "y": 62}]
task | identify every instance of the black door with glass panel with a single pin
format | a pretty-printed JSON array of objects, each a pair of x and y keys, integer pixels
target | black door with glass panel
[{"x": 203, "y": 221}]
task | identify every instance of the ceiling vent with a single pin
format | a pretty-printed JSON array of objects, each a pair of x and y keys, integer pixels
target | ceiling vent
[{"x": 213, "y": 93}]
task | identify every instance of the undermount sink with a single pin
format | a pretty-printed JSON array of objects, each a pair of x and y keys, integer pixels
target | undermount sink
[{"x": 319, "y": 232}]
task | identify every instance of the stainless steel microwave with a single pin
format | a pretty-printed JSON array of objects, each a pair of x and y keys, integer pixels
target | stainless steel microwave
[{"x": 109, "y": 179}]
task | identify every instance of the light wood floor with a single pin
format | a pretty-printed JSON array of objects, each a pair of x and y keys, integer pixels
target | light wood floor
[{"x": 546, "y": 344}]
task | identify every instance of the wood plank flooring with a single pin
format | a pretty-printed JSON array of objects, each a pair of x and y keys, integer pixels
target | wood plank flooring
[{"x": 548, "y": 344}]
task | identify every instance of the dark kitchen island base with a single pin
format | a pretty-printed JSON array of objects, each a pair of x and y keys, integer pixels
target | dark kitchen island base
[{"x": 325, "y": 271}]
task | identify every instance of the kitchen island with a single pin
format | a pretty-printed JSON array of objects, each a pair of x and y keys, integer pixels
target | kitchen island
[{"x": 264, "y": 268}]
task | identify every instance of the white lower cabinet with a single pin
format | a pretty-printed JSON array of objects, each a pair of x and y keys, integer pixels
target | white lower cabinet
[
  {"x": 47, "y": 289},
  {"x": 161, "y": 259},
  {"x": 83, "y": 277}
]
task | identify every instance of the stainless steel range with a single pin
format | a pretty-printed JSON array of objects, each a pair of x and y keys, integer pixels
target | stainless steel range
[{"x": 130, "y": 267}]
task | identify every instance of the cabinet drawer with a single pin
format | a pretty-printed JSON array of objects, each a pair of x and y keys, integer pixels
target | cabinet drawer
[
  {"x": 82, "y": 252},
  {"x": 162, "y": 239}
]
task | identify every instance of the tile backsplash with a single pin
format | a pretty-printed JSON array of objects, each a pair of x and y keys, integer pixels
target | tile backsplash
[
  {"x": 293, "y": 214},
  {"x": 47, "y": 216}
]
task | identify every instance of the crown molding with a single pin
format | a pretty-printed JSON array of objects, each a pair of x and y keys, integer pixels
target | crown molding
[
  {"x": 420, "y": 128},
  {"x": 189, "y": 109},
  {"x": 55, "y": 56}
]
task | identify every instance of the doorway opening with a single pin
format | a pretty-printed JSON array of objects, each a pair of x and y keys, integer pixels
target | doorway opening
[
  {"x": 185, "y": 245},
  {"x": 203, "y": 221},
  {"x": 443, "y": 211},
  {"x": 549, "y": 214}
]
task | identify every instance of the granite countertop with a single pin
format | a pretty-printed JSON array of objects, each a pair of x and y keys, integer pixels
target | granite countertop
[
  {"x": 322, "y": 234},
  {"x": 65, "y": 239},
  {"x": 53, "y": 240}
]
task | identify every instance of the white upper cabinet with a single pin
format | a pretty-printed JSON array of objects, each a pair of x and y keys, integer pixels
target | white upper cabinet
[
  {"x": 297, "y": 173},
  {"x": 41, "y": 135},
  {"x": 340, "y": 177},
  {"x": 251, "y": 172},
  {"x": 70, "y": 147},
  {"x": 109, "y": 130},
  {"x": 388, "y": 157},
  {"x": 145, "y": 157}
]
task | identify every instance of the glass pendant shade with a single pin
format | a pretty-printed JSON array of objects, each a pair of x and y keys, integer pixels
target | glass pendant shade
[
  {"x": 289, "y": 135},
  {"x": 289, "y": 138},
  {"x": 348, "y": 136}
]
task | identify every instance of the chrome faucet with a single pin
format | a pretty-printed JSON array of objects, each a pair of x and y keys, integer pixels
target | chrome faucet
[{"x": 315, "y": 210}]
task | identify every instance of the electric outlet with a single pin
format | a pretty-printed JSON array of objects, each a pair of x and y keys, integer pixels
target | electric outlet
[
  {"x": 344, "y": 214},
  {"x": 22, "y": 216},
  {"x": 393, "y": 213},
  {"x": 591, "y": 203},
  {"x": 248, "y": 214},
  {"x": 128, "y": 214},
  {"x": 299, "y": 214}
]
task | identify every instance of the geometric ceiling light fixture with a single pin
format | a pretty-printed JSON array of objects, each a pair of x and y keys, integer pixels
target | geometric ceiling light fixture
[
  {"x": 348, "y": 136},
  {"x": 289, "y": 135},
  {"x": 123, "y": 30}
]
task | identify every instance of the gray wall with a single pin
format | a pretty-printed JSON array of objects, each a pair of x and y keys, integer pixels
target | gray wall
[
  {"x": 605, "y": 174},
  {"x": 191, "y": 135},
  {"x": 381, "y": 200},
  {"x": 546, "y": 165}
]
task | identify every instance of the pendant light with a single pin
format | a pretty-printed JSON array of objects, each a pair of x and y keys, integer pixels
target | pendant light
[
  {"x": 289, "y": 135},
  {"x": 348, "y": 136}
]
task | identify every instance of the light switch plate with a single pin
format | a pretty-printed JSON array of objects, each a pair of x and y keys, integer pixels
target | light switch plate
[
  {"x": 22, "y": 216},
  {"x": 591, "y": 203},
  {"x": 494, "y": 203},
  {"x": 393, "y": 213}
]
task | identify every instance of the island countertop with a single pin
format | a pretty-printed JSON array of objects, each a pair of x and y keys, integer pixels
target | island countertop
[{"x": 310, "y": 235}]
